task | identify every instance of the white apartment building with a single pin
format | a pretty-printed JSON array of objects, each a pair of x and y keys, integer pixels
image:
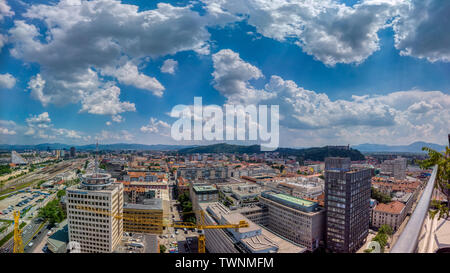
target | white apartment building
[
  {"x": 91, "y": 207},
  {"x": 395, "y": 168}
]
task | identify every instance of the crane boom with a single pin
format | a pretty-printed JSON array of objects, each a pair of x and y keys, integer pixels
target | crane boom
[{"x": 138, "y": 218}]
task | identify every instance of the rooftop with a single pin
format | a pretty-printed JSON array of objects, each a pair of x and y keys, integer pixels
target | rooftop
[
  {"x": 147, "y": 204},
  {"x": 204, "y": 188},
  {"x": 394, "y": 207}
]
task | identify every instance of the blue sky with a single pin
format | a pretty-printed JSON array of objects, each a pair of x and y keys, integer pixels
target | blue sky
[{"x": 341, "y": 76}]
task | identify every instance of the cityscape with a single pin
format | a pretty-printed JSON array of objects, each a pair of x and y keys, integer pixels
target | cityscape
[{"x": 224, "y": 127}]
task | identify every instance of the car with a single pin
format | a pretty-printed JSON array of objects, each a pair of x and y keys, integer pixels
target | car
[
  {"x": 30, "y": 244},
  {"x": 49, "y": 233}
]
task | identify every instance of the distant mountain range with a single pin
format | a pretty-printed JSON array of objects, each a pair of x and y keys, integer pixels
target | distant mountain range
[
  {"x": 415, "y": 147},
  {"x": 110, "y": 147}
]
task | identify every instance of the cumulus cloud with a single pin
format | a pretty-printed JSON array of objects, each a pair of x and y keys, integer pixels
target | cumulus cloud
[
  {"x": 40, "y": 121},
  {"x": 7, "y": 81},
  {"x": 231, "y": 78},
  {"x": 128, "y": 74},
  {"x": 106, "y": 102},
  {"x": 330, "y": 31},
  {"x": 398, "y": 116},
  {"x": 169, "y": 66},
  {"x": 156, "y": 126},
  {"x": 85, "y": 40},
  {"x": 6, "y": 131},
  {"x": 41, "y": 127},
  {"x": 5, "y": 10},
  {"x": 422, "y": 30}
]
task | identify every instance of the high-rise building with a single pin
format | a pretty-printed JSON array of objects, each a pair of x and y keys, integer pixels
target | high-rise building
[
  {"x": 95, "y": 232},
  {"x": 395, "y": 168},
  {"x": 72, "y": 152},
  {"x": 347, "y": 204}
]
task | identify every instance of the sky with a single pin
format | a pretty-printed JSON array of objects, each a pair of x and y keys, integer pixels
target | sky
[{"x": 342, "y": 72}]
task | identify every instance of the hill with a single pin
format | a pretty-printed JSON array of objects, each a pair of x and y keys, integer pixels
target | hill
[
  {"x": 316, "y": 154},
  {"x": 415, "y": 147}
]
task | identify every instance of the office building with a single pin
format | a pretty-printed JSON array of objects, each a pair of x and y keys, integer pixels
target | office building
[
  {"x": 73, "y": 152},
  {"x": 394, "y": 168},
  {"x": 296, "y": 219},
  {"x": 202, "y": 193},
  {"x": 347, "y": 201},
  {"x": 147, "y": 211},
  {"x": 95, "y": 232}
]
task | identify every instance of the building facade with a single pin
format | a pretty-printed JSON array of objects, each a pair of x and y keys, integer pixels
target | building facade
[
  {"x": 296, "y": 219},
  {"x": 392, "y": 214},
  {"x": 347, "y": 202},
  {"x": 91, "y": 207}
]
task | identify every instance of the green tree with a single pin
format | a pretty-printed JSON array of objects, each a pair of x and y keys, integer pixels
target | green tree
[
  {"x": 442, "y": 182},
  {"x": 162, "y": 248},
  {"x": 380, "y": 197},
  {"x": 386, "y": 229}
]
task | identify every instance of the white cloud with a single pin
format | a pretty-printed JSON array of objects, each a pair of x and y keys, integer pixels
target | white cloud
[
  {"x": 231, "y": 78},
  {"x": 117, "y": 118},
  {"x": 7, "y": 81},
  {"x": 156, "y": 126},
  {"x": 128, "y": 74},
  {"x": 396, "y": 118},
  {"x": 5, "y": 10},
  {"x": 108, "y": 123},
  {"x": 40, "y": 121},
  {"x": 105, "y": 102},
  {"x": 41, "y": 127},
  {"x": 169, "y": 66},
  {"x": 330, "y": 31},
  {"x": 6, "y": 131},
  {"x": 87, "y": 39},
  {"x": 422, "y": 30}
]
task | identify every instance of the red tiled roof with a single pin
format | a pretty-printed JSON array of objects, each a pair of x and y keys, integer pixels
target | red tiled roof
[{"x": 394, "y": 207}]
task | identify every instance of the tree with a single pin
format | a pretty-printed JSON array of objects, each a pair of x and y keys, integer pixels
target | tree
[
  {"x": 162, "y": 248},
  {"x": 442, "y": 182},
  {"x": 379, "y": 196},
  {"x": 386, "y": 229}
]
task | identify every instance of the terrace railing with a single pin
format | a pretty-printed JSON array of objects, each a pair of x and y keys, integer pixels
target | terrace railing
[{"x": 409, "y": 238}]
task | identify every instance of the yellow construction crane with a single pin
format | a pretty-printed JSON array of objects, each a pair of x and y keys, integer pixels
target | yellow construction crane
[
  {"x": 200, "y": 226},
  {"x": 18, "y": 245}
]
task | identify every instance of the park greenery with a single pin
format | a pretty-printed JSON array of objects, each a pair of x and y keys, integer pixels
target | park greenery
[
  {"x": 53, "y": 212},
  {"x": 382, "y": 236},
  {"x": 442, "y": 181},
  {"x": 186, "y": 207},
  {"x": 379, "y": 196},
  {"x": 5, "y": 169}
]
